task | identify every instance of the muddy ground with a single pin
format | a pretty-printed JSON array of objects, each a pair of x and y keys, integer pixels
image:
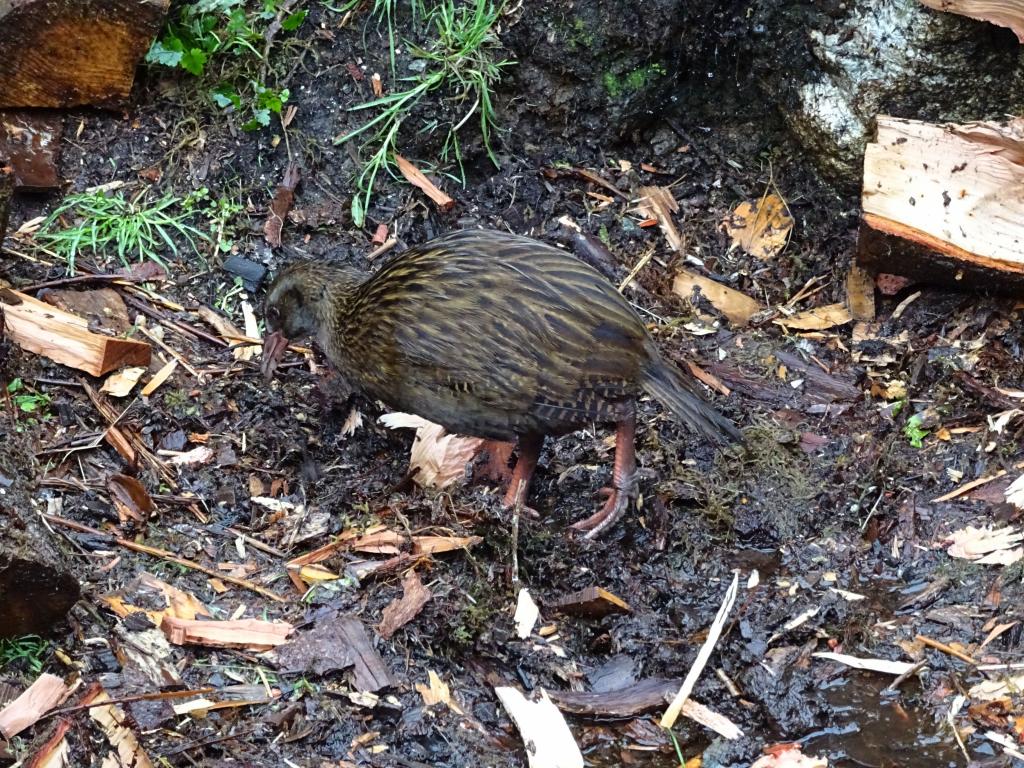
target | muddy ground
[{"x": 828, "y": 498}]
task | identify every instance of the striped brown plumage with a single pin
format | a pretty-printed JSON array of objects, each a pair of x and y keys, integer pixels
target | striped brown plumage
[{"x": 493, "y": 335}]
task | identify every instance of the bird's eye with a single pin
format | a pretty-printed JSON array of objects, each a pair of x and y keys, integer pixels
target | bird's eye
[{"x": 274, "y": 315}]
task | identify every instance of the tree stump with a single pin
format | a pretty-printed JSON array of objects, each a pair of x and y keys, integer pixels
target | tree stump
[{"x": 63, "y": 53}]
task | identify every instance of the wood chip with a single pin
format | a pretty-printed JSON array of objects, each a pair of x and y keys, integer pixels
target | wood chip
[
  {"x": 527, "y": 614},
  {"x": 432, "y": 545},
  {"x": 872, "y": 665},
  {"x": 159, "y": 378},
  {"x": 45, "y": 693},
  {"x": 121, "y": 383},
  {"x": 65, "y": 338},
  {"x": 714, "y": 632},
  {"x": 736, "y": 306},
  {"x": 860, "y": 293},
  {"x": 549, "y": 742},
  {"x": 251, "y": 634},
  {"x": 659, "y": 204},
  {"x": 817, "y": 319}
]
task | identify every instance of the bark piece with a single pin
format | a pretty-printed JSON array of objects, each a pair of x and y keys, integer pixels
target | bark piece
[
  {"x": 404, "y": 609},
  {"x": 62, "y": 53},
  {"x": 30, "y": 143},
  {"x": 280, "y": 205},
  {"x": 102, "y": 307},
  {"x": 337, "y": 642},
  {"x": 594, "y": 602},
  {"x": 942, "y": 203},
  {"x": 643, "y": 696},
  {"x": 65, "y": 338}
]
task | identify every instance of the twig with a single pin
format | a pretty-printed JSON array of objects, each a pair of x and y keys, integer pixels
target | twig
[
  {"x": 895, "y": 684},
  {"x": 130, "y": 699},
  {"x": 969, "y": 487},
  {"x": 164, "y": 554},
  {"x": 940, "y": 646},
  {"x": 382, "y": 249}
]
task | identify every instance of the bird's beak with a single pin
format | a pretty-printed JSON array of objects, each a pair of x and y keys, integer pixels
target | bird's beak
[{"x": 274, "y": 346}]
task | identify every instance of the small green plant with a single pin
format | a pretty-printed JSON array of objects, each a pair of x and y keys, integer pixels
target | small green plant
[
  {"x": 28, "y": 401},
  {"x": 27, "y": 650},
  {"x": 913, "y": 432},
  {"x": 130, "y": 226},
  {"x": 220, "y": 214},
  {"x": 210, "y": 30},
  {"x": 459, "y": 60}
]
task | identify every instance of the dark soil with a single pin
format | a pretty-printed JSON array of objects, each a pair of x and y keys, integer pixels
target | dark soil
[{"x": 827, "y": 492}]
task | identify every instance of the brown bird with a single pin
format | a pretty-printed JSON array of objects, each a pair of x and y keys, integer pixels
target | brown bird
[{"x": 491, "y": 335}]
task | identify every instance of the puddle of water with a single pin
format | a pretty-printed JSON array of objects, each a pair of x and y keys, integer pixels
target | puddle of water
[{"x": 871, "y": 730}]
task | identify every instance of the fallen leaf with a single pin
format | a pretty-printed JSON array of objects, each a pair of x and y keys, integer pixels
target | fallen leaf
[
  {"x": 130, "y": 497},
  {"x": 990, "y": 690},
  {"x": 196, "y": 457},
  {"x": 437, "y": 459},
  {"x": 817, "y": 319},
  {"x": 432, "y": 545},
  {"x": 762, "y": 228},
  {"x": 404, "y": 609},
  {"x": 416, "y": 177},
  {"x": 437, "y": 692},
  {"x": 987, "y": 545}
]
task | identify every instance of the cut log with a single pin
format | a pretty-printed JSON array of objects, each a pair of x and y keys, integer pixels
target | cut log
[
  {"x": 1005, "y": 13},
  {"x": 66, "y": 338},
  {"x": 62, "y": 53},
  {"x": 944, "y": 203}
]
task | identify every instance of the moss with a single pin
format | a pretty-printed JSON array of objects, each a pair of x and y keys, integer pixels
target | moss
[
  {"x": 579, "y": 36},
  {"x": 619, "y": 85}
]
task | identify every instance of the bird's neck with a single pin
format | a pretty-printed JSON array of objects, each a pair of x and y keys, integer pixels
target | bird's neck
[{"x": 338, "y": 313}]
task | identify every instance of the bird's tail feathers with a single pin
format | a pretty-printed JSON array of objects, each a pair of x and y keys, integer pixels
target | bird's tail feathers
[{"x": 667, "y": 385}]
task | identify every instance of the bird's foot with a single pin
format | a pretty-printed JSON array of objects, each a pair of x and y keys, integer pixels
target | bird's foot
[
  {"x": 524, "y": 510},
  {"x": 619, "y": 496}
]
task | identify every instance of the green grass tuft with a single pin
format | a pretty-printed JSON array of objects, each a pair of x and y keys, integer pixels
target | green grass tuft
[
  {"x": 102, "y": 223},
  {"x": 459, "y": 60}
]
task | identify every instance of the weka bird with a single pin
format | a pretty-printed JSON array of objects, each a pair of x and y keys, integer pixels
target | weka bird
[{"x": 491, "y": 335}]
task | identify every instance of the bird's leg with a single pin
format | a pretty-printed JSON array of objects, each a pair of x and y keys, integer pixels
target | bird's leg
[
  {"x": 519, "y": 485},
  {"x": 495, "y": 467},
  {"x": 624, "y": 485}
]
